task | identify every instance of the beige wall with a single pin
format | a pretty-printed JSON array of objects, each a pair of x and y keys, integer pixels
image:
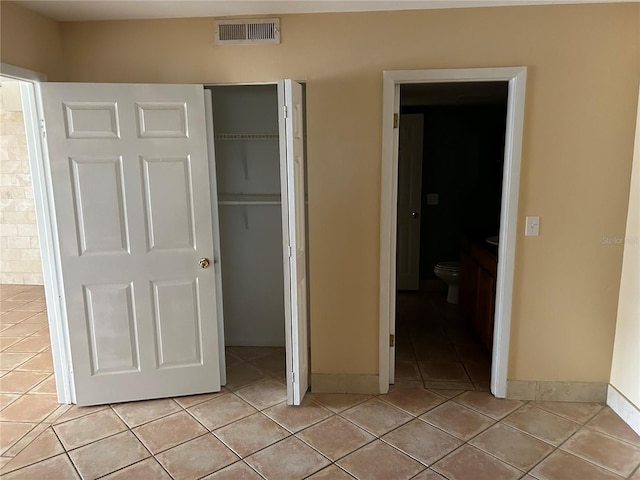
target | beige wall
[
  {"x": 30, "y": 41},
  {"x": 625, "y": 371},
  {"x": 584, "y": 70},
  {"x": 19, "y": 248}
]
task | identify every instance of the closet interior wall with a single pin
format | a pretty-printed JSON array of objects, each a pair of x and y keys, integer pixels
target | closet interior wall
[{"x": 247, "y": 158}]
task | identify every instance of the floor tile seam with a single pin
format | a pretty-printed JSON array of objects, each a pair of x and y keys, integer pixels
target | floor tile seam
[
  {"x": 602, "y": 407},
  {"x": 637, "y": 470},
  {"x": 579, "y": 458},
  {"x": 534, "y": 435},
  {"x": 587, "y": 426},
  {"x": 30, "y": 391},
  {"x": 534, "y": 403},
  {"x": 358, "y": 402},
  {"x": 334, "y": 464},
  {"x": 315, "y": 422},
  {"x": 131, "y": 427},
  {"x": 517, "y": 430},
  {"x": 220, "y": 394},
  {"x": 362, "y": 427},
  {"x": 386, "y": 442},
  {"x": 502, "y": 418},
  {"x": 154, "y": 455},
  {"x": 234, "y": 389},
  {"x": 484, "y": 429},
  {"x": 592, "y": 462},
  {"x": 192, "y": 415},
  {"x": 10, "y": 402},
  {"x": 14, "y": 344},
  {"x": 280, "y": 441},
  {"x": 20, "y": 310},
  {"x": 35, "y": 425},
  {"x": 127, "y": 429},
  {"x": 25, "y": 446},
  {"x": 466, "y": 444},
  {"x": 523, "y": 470},
  {"x": 242, "y": 457},
  {"x": 406, "y": 411},
  {"x": 131, "y": 465},
  {"x": 79, "y": 416},
  {"x": 66, "y": 454},
  {"x": 575, "y": 454},
  {"x": 254, "y": 406},
  {"x": 369, "y": 442},
  {"x": 112, "y": 471},
  {"x": 470, "y": 409},
  {"x": 606, "y": 434},
  {"x": 15, "y": 367},
  {"x": 249, "y": 404},
  {"x": 3, "y": 471}
]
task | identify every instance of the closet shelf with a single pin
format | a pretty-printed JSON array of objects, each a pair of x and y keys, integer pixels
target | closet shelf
[
  {"x": 249, "y": 199},
  {"x": 246, "y": 136}
]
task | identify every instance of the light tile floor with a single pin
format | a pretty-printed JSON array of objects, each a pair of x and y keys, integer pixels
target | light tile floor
[{"x": 247, "y": 431}]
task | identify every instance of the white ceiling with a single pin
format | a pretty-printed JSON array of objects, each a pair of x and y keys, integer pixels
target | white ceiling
[{"x": 81, "y": 10}]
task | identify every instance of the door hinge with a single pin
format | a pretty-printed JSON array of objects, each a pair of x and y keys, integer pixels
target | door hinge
[
  {"x": 392, "y": 340},
  {"x": 286, "y": 112},
  {"x": 43, "y": 130},
  {"x": 290, "y": 250},
  {"x": 395, "y": 120},
  {"x": 293, "y": 377}
]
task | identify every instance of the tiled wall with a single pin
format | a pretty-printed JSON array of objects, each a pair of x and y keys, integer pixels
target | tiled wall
[{"x": 19, "y": 248}]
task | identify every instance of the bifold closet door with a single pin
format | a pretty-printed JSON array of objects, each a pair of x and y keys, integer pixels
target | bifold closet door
[
  {"x": 292, "y": 168},
  {"x": 130, "y": 181}
]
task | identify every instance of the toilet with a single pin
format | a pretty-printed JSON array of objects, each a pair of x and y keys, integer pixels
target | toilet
[{"x": 449, "y": 273}]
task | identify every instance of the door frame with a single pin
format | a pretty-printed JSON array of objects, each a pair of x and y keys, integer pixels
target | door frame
[
  {"x": 392, "y": 79},
  {"x": 45, "y": 221}
]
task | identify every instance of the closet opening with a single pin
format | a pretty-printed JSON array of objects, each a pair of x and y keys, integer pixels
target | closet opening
[{"x": 254, "y": 246}]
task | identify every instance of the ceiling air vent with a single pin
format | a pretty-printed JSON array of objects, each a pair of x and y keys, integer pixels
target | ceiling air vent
[{"x": 248, "y": 31}]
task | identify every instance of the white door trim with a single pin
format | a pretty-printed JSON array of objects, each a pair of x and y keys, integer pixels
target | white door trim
[
  {"x": 45, "y": 220},
  {"x": 516, "y": 76}
]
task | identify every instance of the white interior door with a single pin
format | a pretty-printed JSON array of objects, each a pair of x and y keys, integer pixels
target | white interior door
[
  {"x": 409, "y": 201},
  {"x": 292, "y": 166},
  {"x": 130, "y": 185}
]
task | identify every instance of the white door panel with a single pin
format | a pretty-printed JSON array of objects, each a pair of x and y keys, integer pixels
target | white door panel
[
  {"x": 293, "y": 220},
  {"x": 130, "y": 184},
  {"x": 409, "y": 201}
]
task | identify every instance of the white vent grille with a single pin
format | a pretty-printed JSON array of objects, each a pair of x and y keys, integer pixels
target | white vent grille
[{"x": 248, "y": 31}]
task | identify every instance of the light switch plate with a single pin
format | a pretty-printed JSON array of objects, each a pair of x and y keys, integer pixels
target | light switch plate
[{"x": 532, "y": 226}]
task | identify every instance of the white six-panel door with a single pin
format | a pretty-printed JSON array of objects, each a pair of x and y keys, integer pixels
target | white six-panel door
[
  {"x": 130, "y": 184},
  {"x": 292, "y": 170}
]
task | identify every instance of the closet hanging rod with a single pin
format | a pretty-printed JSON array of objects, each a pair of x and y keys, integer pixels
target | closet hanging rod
[{"x": 246, "y": 136}]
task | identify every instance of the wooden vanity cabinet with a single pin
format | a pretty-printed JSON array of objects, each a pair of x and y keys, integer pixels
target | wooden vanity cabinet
[{"x": 478, "y": 272}]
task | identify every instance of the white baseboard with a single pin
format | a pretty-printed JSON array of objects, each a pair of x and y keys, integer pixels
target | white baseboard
[{"x": 626, "y": 410}]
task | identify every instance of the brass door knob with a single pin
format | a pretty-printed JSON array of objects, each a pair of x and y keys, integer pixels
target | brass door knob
[{"x": 204, "y": 263}]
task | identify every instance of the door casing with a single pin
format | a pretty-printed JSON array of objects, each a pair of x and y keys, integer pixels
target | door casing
[
  {"x": 516, "y": 78},
  {"x": 45, "y": 220}
]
